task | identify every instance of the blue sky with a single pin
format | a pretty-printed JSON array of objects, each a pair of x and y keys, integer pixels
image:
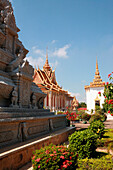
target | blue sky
[{"x": 75, "y": 31}]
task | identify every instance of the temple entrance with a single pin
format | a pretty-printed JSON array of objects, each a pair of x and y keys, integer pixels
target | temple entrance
[{"x": 97, "y": 103}]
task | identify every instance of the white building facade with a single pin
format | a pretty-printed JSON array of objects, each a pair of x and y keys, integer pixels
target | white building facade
[{"x": 92, "y": 97}]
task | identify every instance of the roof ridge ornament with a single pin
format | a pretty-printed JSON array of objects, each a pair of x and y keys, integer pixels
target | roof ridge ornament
[{"x": 46, "y": 65}]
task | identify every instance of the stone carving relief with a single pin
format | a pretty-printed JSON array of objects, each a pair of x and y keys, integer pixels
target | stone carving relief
[
  {"x": 6, "y": 136},
  {"x": 37, "y": 129},
  {"x": 14, "y": 97},
  {"x": 50, "y": 125},
  {"x": 10, "y": 43},
  {"x": 12, "y": 54},
  {"x": 25, "y": 90},
  {"x": 22, "y": 131}
]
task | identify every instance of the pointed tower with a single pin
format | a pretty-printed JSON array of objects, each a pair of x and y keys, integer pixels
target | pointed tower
[
  {"x": 97, "y": 81},
  {"x": 92, "y": 96},
  {"x": 46, "y": 65}
]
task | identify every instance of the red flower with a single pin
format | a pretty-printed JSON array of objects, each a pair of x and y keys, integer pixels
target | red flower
[
  {"x": 51, "y": 154},
  {"x": 37, "y": 160},
  {"x": 62, "y": 157},
  {"x": 70, "y": 163},
  {"x": 99, "y": 92},
  {"x": 105, "y": 96},
  {"x": 106, "y": 101},
  {"x": 70, "y": 157},
  {"x": 107, "y": 83},
  {"x": 64, "y": 166},
  {"x": 111, "y": 114},
  {"x": 110, "y": 101},
  {"x": 108, "y": 111},
  {"x": 38, "y": 166},
  {"x": 104, "y": 83},
  {"x": 47, "y": 151},
  {"x": 47, "y": 161},
  {"x": 33, "y": 157},
  {"x": 109, "y": 75}
]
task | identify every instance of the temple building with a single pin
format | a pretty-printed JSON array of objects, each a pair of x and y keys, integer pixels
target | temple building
[
  {"x": 93, "y": 98},
  {"x": 57, "y": 98}
]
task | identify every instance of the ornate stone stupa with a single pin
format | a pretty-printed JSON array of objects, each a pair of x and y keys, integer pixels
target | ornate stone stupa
[
  {"x": 92, "y": 96},
  {"x": 74, "y": 103},
  {"x": 21, "y": 101}
]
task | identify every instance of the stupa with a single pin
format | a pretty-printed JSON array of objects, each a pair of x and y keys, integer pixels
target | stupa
[
  {"x": 92, "y": 91},
  {"x": 74, "y": 103},
  {"x": 22, "y": 115}
]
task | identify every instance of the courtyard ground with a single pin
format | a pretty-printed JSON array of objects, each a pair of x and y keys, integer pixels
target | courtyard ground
[{"x": 80, "y": 125}]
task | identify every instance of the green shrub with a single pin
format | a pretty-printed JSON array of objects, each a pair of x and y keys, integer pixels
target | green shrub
[
  {"x": 84, "y": 143},
  {"x": 98, "y": 128},
  {"x": 85, "y": 116},
  {"x": 104, "y": 117},
  {"x": 105, "y": 163},
  {"x": 54, "y": 157},
  {"x": 96, "y": 117}
]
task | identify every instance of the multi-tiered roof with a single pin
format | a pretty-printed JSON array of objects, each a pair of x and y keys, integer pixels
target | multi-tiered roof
[
  {"x": 46, "y": 79},
  {"x": 97, "y": 81}
]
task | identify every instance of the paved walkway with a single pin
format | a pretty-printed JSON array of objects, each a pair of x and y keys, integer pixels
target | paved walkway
[{"x": 108, "y": 125}]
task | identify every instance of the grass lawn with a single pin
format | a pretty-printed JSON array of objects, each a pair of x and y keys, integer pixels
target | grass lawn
[
  {"x": 102, "y": 160},
  {"x": 105, "y": 162},
  {"x": 107, "y": 139}
]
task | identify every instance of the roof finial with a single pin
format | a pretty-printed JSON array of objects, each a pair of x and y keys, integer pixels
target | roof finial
[
  {"x": 96, "y": 63},
  {"x": 46, "y": 66},
  {"x": 47, "y": 53},
  {"x": 97, "y": 70}
]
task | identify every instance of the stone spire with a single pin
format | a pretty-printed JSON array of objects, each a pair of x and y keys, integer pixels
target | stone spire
[{"x": 46, "y": 65}]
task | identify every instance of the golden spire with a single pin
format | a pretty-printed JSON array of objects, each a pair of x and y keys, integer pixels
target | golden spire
[
  {"x": 97, "y": 81},
  {"x": 97, "y": 70},
  {"x": 46, "y": 65},
  {"x": 47, "y": 53}
]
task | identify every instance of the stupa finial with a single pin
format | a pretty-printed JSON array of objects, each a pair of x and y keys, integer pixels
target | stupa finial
[
  {"x": 46, "y": 66},
  {"x": 97, "y": 70}
]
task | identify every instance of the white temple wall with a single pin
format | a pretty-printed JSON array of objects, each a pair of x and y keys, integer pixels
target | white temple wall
[{"x": 91, "y": 95}]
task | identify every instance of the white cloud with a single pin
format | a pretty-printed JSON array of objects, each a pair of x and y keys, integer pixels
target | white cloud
[
  {"x": 53, "y": 42},
  {"x": 55, "y": 64},
  {"x": 75, "y": 94},
  {"x": 79, "y": 97},
  {"x": 62, "y": 52},
  {"x": 35, "y": 61},
  {"x": 38, "y": 51}
]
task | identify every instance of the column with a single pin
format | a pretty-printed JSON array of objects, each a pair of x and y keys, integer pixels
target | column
[
  {"x": 45, "y": 102},
  {"x": 50, "y": 100},
  {"x": 53, "y": 102},
  {"x": 56, "y": 102}
]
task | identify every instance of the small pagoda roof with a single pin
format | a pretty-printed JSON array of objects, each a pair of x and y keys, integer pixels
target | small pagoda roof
[{"x": 97, "y": 81}]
